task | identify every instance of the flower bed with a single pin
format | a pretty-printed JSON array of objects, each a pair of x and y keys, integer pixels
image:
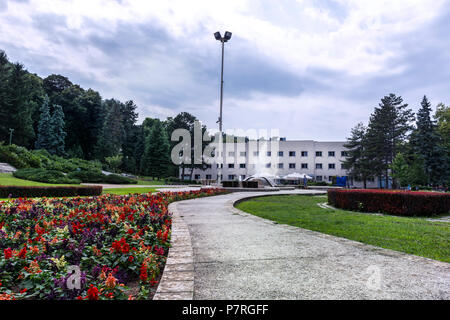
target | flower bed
[
  {"x": 402, "y": 203},
  {"x": 106, "y": 247},
  {"x": 58, "y": 191}
]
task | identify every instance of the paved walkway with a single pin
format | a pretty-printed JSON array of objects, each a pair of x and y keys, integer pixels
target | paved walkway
[{"x": 241, "y": 256}]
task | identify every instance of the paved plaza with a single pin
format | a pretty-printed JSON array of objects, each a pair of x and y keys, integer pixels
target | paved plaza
[{"x": 240, "y": 256}]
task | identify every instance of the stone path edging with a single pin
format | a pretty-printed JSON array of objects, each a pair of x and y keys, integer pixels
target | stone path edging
[{"x": 177, "y": 281}]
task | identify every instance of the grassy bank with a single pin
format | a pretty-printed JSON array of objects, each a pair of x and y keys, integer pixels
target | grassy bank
[
  {"x": 416, "y": 236},
  {"x": 7, "y": 179}
]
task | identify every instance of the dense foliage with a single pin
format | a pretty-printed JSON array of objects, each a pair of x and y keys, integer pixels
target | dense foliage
[
  {"x": 65, "y": 119},
  {"x": 393, "y": 148},
  {"x": 118, "y": 243},
  {"x": 44, "y": 175},
  {"x": 402, "y": 203}
]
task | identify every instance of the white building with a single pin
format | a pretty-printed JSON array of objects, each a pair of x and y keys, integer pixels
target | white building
[{"x": 320, "y": 160}]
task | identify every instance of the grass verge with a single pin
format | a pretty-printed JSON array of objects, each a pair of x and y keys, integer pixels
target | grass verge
[
  {"x": 125, "y": 191},
  {"x": 417, "y": 236},
  {"x": 7, "y": 179}
]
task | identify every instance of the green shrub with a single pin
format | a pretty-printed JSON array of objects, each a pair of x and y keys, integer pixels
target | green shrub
[
  {"x": 175, "y": 180},
  {"x": 87, "y": 176},
  {"x": 43, "y": 175},
  {"x": 58, "y": 191},
  {"x": 116, "y": 179},
  {"x": 18, "y": 157},
  {"x": 250, "y": 184},
  {"x": 319, "y": 183},
  {"x": 230, "y": 184}
]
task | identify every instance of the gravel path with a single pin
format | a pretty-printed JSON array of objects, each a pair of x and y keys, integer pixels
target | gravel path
[{"x": 241, "y": 256}]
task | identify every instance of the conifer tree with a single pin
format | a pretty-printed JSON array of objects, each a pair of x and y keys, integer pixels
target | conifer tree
[
  {"x": 388, "y": 128},
  {"x": 357, "y": 162},
  {"x": 58, "y": 135},
  {"x": 155, "y": 160},
  {"x": 44, "y": 126}
]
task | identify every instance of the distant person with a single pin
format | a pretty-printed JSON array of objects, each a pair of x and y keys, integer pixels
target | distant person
[{"x": 305, "y": 182}]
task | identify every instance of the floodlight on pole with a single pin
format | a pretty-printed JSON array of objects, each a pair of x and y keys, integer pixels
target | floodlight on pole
[{"x": 225, "y": 38}]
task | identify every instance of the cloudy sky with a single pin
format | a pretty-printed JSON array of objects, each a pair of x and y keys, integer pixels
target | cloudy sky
[{"x": 311, "y": 69}]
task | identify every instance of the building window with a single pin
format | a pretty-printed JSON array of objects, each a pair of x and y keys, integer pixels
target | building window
[
  {"x": 208, "y": 166},
  {"x": 318, "y": 153},
  {"x": 208, "y": 177},
  {"x": 331, "y": 166},
  {"x": 331, "y": 153},
  {"x": 280, "y": 153},
  {"x": 304, "y": 166},
  {"x": 242, "y": 165},
  {"x": 231, "y": 154},
  {"x": 330, "y": 178},
  {"x": 197, "y": 177},
  {"x": 304, "y": 153},
  {"x": 268, "y": 165},
  {"x": 291, "y": 165},
  {"x": 318, "y": 178},
  {"x": 243, "y": 153},
  {"x": 318, "y": 166},
  {"x": 269, "y": 153},
  {"x": 291, "y": 153},
  {"x": 219, "y": 165},
  {"x": 231, "y": 165},
  {"x": 231, "y": 177},
  {"x": 280, "y": 166},
  {"x": 344, "y": 154},
  {"x": 243, "y": 177},
  {"x": 256, "y": 153}
]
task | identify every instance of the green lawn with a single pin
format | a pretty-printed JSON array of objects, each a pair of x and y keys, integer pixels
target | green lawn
[
  {"x": 151, "y": 182},
  {"x": 7, "y": 179},
  {"x": 416, "y": 236},
  {"x": 124, "y": 191}
]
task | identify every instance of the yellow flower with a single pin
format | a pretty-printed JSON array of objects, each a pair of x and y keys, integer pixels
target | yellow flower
[{"x": 60, "y": 263}]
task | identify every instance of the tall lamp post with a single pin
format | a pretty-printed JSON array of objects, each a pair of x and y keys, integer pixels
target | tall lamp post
[
  {"x": 225, "y": 38},
  {"x": 10, "y": 135}
]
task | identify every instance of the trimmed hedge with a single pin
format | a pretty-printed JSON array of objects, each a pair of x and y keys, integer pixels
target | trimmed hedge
[
  {"x": 43, "y": 175},
  {"x": 230, "y": 184},
  {"x": 116, "y": 179},
  {"x": 401, "y": 203},
  {"x": 58, "y": 191},
  {"x": 250, "y": 184}
]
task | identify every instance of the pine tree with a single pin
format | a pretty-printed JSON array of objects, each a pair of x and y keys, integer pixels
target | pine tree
[
  {"x": 20, "y": 108},
  {"x": 387, "y": 131},
  {"x": 427, "y": 144},
  {"x": 58, "y": 135},
  {"x": 155, "y": 160},
  {"x": 357, "y": 162},
  {"x": 111, "y": 139},
  {"x": 44, "y": 126}
]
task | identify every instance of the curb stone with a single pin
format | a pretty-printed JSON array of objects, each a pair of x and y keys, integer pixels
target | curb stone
[{"x": 177, "y": 281}]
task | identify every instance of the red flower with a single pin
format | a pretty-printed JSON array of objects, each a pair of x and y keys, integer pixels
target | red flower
[
  {"x": 143, "y": 276},
  {"x": 8, "y": 253},
  {"x": 92, "y": 293},
  {"x": 22, "y": 254},
  {"x": 130, "y": 259}
]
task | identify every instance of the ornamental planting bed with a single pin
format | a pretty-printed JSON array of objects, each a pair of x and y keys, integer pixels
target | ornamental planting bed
[
  {"x": 396, "y": 202},
  {"x": 98, "y": 248}
]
